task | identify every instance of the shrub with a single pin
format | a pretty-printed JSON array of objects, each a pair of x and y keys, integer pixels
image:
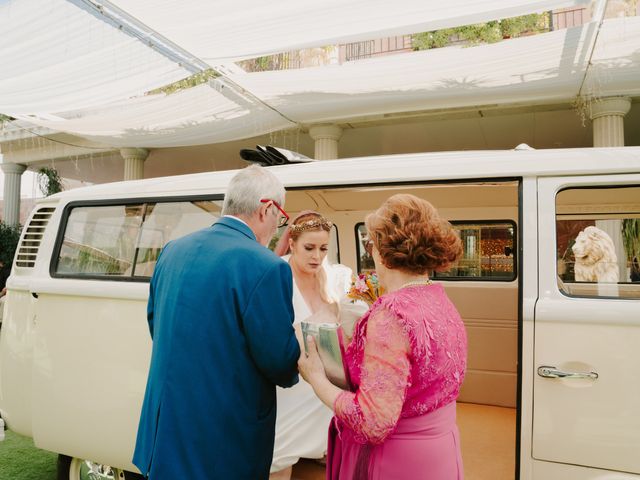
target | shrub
[{"x": 9, "y": 238}]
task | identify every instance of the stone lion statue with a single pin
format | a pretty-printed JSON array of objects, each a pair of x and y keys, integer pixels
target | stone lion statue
[{"x": 596, "y": 259}]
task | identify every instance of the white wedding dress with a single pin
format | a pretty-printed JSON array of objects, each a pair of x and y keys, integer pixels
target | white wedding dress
[{"x": 303, "y": 420}]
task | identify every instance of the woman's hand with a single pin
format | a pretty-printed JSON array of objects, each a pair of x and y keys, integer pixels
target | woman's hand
[
  {"x": 312, "y": 370},
  {"x": 309, "y": 364}
]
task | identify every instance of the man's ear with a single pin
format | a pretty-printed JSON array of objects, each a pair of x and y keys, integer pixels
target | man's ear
[{"x": 262, "y": 211}]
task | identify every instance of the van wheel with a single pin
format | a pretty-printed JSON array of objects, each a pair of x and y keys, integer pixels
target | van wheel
[{"x": 78, "y": 469}]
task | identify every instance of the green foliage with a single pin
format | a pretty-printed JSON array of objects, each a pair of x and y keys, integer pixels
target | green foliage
[
  {"x": 280, "y": 61},
  {"x": 489, "y": 32},
  {"x": 515, "y": 27},
  {"x": 631, "y": 237},
  {"x": 192, "y": 81},
  {"x": 9, "y": 238},
  {"x": 49, "y": 181}
]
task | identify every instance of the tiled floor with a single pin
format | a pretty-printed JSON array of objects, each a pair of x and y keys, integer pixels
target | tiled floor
[{"x": 488, "y": 445}]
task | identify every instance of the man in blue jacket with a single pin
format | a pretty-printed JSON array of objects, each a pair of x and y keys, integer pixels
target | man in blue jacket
[{"x": 220, "y": 316}]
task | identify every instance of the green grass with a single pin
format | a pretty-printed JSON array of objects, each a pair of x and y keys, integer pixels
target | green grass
[{"x": 20, "y": 460}]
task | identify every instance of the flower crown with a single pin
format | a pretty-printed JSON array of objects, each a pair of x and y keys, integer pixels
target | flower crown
[{"x": 320, "y": 222}]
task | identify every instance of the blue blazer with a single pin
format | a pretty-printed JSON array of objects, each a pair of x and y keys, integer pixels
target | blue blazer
[{"x": 220, "y": 316}]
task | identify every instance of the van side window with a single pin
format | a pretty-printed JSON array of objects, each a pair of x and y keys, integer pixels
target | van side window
[
  {"x": 488, "y": 252},
  {"x": 598, "y": 241},
  {"x": 363, "y": 250},
  {"x": 124, "y": 241}
]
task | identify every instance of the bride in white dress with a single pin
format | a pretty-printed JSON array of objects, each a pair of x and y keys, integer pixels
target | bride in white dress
[{"x": 303, "y": 420}]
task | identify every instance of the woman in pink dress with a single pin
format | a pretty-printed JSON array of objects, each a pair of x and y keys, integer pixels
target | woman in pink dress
[{"x": 406, "y": 360}]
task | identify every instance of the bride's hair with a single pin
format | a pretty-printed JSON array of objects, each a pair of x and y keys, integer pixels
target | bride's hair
[{"x": 306, "y": 221}]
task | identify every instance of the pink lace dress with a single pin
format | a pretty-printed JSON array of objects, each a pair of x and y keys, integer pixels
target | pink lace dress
[{"x": 406, "y": 363}]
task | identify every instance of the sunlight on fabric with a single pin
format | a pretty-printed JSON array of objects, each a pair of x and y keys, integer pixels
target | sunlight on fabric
[
  {"x": 228, "y": 30},
  {"x": 57, "y": 56},
  {"x": 544, "y": 67},
  {"x": 195, "y": 116},
  {"x": 615, "y": 66}
]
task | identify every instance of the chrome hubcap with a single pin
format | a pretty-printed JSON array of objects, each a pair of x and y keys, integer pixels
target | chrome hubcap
[{"x": 86, "y": 470}]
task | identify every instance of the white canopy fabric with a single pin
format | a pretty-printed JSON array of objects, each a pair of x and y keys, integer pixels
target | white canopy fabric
[
  {"x": 56, "y": 56},
  {"x": 196, "y": 116},
  {"x": 615, "y": 65},
  {"x": 222, "y": 31},
  {"x": 544, "y": 68},
  {"x": 61, "y": 55}
]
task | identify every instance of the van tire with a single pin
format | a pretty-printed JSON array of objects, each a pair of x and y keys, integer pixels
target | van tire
[{"x": 67, "y": 469}]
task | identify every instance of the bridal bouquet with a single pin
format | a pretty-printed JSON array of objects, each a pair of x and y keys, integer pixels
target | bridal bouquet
[{"x": 365, "y": 287}]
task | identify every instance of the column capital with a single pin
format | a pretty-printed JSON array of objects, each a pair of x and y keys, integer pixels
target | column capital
[
  {"x": 134, "y": 153},
  {"x": 16, "y": 168},
  {"x": 330, "y": 132},
  {"x": 616, "y": 106}
]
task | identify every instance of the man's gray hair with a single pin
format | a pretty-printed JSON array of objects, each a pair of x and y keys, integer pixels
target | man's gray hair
[{"x": 248, "y": 187}]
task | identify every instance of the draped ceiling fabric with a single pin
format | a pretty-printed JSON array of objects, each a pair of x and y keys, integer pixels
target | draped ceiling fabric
[
  {"x": 199, "y": 115},
  {"x": 56, "y": 56},
  {"x": 543, "y": 68},
  {"x": 228, "y": 30},
  {"x": 615, "y": 65}
]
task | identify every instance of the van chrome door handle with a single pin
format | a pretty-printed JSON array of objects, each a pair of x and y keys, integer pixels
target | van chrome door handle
[{"x": 553, "y": 372}]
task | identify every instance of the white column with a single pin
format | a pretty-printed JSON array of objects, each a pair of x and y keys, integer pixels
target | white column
[
  {"x": 134, "y": 162},
  {"x": 12, "y": 179},
  {"x": 326, "y": 138},
  {"x": 607, "y": 115}
]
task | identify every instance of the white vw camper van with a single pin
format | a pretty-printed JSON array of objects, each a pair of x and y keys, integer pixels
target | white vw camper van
[{"x": 552, "y": 390}]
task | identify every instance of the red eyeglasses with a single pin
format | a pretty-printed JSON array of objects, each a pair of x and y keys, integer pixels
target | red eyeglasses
[{"x": 284, "y": 219}]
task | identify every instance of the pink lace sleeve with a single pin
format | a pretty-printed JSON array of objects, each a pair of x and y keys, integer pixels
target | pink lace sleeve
[{"x": 374, "y": 409}]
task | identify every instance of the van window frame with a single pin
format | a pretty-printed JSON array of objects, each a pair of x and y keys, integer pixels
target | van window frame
[
  {"x": 555, "y": 213},
  {"x": 337, "y": 240},
  {"x": 66, "y": 213},
  {"x": 356, "y": 235},
  {"x": 459, "y": 278}
]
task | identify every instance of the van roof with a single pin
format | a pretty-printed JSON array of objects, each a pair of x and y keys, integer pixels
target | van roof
[{"x": 389, "y": 168}]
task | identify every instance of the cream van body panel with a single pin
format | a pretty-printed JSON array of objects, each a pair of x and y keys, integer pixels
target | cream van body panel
[
  {"x": 573, "y": 417},
  {"x": 83, "y": 372},
  {"x": 16, "y": 354},
  {"x": 554, "y": 471},
  {"x": 17, "y": 337}
]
